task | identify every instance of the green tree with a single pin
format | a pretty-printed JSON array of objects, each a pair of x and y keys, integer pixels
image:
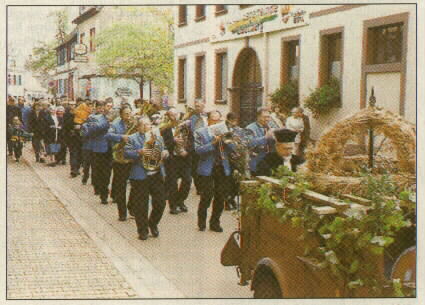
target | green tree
[
  {"x": 43, "y": 60},
  {"x": 138, "y": 52},
  {"x": 62, "y": 24}
]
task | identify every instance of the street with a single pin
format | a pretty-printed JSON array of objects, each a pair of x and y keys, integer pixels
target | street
[{"x": 83, "y": 241}]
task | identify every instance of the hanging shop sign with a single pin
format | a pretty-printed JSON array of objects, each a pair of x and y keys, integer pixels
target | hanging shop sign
[
  {"x": 260, "y": 19},
  {"x": 123, "y": 92}
]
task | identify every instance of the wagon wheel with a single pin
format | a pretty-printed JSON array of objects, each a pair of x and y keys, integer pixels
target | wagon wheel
[{"x": 267, "y": 287}]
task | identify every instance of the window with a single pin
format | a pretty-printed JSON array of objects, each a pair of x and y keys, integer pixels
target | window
[
  {"x": 182, "y": 15},
  {"x": 331, "y": 53},
  {"x": 68, "y": 53},
  {"x": 9, "y": 80},
  {"x": 385, "y": 44},
  {"x": 19, "y": 80},
  {"x": 82, "y": 38},
  {"x": 220, "y": 9},
  {"x": 61, "y": 56},
  {"x": 290, "y": 60},
  {"x": 221, "y": 77},
  {"x": 182, "y": 80},
  {"x": 73, "y": 50},
  {"x": 200, "y": 13},
  {"x": 200, "y": 77},
  {"x": 14, "y": 79},
  {"x": 92, "y": 43}
]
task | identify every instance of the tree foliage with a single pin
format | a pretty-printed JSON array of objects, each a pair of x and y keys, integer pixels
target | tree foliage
[
  {"x": 140, "y": 52},
  {"x": 61, "y": 23},
  {"x": 43, "y": 60}
]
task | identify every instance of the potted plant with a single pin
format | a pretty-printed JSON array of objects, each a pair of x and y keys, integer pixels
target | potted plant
[
  {"x": 286, "y": 97},
  {"x": 324, "y": 98}
]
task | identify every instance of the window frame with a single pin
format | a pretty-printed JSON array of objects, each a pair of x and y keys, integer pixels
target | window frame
[
  {"x": 198, "y": 9},
  {"x": 386, "y": 67},
  {"x": 182, "y": 21},
  {"x": 323, "y": 76},
  {"x": 199, "y": 93},
  {"x": 182, "y": 80},
  {"x": 218, "y": 98},
  {"x": 284, "y": 64},
  {"x": 92, "y": 38},
  {"x": 220, "y": 9}
]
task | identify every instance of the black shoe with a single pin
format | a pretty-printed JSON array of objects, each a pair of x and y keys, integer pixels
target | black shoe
[
  {"x": 122, "y": 218},
  {"x": 73, "y": 175},
  {"x": 154, "y": 231},
  {"x": 42, "y": 160},
  {"x": 131, "y": 213},
  {"x": 84, "y": 181},
  {"x": 202, "y": 227},
  {"x": 17, "y": 160},
  {"x": 216, "y": 228},
  {"x": 63, "y": 162},
  {"x": 143, "y": 236},
  {"x": 183, "y": 208},
  {"x": 10, "y": 154},
  {"x": 174, "y": 211},
  {"x": 53, "y": 164},
  {"x": 104, "y": 201}
]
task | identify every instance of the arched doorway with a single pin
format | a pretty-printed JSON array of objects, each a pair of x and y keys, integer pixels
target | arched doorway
[{"x": 247, "y": 91}]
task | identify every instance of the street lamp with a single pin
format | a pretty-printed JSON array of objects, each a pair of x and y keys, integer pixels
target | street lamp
[{"x": 372, "y": 103}]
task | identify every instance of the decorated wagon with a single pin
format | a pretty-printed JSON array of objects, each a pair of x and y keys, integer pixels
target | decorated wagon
[{"x": 342, "y": 226}]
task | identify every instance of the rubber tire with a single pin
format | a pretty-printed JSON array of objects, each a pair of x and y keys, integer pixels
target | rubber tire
[{"x": 267, "y": 287}]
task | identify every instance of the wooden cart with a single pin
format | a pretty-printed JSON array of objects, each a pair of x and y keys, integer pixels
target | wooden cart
[{"x": 270, "y": 254}]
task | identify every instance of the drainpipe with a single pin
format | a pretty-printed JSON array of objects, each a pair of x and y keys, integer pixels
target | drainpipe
[{"x": 266, "y": 69}]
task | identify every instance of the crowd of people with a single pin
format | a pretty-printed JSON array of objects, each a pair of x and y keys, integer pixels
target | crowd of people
[{"x": 157, "y": 152}]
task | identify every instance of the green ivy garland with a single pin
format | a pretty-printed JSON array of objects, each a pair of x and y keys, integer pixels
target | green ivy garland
[
  {"x": 286, "y": 97},
  {"x": 322, "y": 99},
  {"x": 345, "y": 243}
]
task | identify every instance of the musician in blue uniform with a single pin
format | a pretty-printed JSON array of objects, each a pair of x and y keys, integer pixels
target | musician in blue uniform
[
  {"x": 146, "y": 182},
  {"x": 262, "y": 142},
  {"x": 96, "y": 128},
  {"x": 283, "y": 155},
  {"x": 214, "y": 172},
  {"x": 198, "y": 120},
  {"x": 121, "y": 168}
]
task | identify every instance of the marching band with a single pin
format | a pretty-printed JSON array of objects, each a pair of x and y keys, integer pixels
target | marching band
[{"x": 158, "y": 153}]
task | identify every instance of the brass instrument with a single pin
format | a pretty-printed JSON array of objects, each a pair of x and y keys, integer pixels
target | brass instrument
[
  {"x": 152, "y": 161},
  {"x": 118, "y": 149},
  {"x": 183, "y": 132}
]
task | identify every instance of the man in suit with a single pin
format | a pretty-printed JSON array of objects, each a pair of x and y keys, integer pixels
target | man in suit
[
  {"x": 72, "y": 139},
  {"x": 213, "y": 172},
  {"x": 262, "y": 142},
  {"x": 11, "y": 111},
  {"x": 146, "y": 182},
  {"x": 284, "y": 143},
  {"x": 87, "y": 143},
  {"x": 96, "y": 128},
  {"x": 121, "y": 168},
  {"x": 178, "y": 165}
]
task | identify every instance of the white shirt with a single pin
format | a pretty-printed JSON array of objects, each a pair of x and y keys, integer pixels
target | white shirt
[
  {"x": 287, "y": 162},
  {"x": 297, "y": 125}
]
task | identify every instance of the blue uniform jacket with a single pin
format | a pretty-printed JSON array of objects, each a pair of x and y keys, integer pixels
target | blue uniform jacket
[
  {"x": 116, "y": 130},
  {"x": 207, "y": 153},
  {"x": 95, "y": 129},
  {"x": 25, "y": 110},
  {"x": 259, "y": 145},
  {"x": 194, "y": 123},
  {"x": 131, "y": 151}
]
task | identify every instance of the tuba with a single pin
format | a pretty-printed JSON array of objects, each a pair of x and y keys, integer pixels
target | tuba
[
  {"x": 153, "y": 161},
  {"x": 118, "y": 149}
]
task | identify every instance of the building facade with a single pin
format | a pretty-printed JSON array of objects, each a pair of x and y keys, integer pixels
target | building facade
[
  {"x": 77, "y": 74},
  {"x": 234, "y": 56}
]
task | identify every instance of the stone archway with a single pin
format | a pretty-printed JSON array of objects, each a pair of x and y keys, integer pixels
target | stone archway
[{"x": 247, "y": 86}]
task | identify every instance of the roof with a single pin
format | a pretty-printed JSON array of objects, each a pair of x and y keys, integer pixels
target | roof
[
  {"x": 68, "y": 38},
  {"x": 87, "y": 14}
]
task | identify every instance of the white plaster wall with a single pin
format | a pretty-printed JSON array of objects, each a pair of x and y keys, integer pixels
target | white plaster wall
[{"x": 352, "y": 21}]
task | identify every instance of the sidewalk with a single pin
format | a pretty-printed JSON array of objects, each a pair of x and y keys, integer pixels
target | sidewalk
[
  {"x": 49, "y": 255},
  {"x": 182, "y": 262}
]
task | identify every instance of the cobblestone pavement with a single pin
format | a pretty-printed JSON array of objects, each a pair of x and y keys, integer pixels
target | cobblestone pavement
[
  {"x": 48, "y": 253},
  {"x": 182, "y": 262}
]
